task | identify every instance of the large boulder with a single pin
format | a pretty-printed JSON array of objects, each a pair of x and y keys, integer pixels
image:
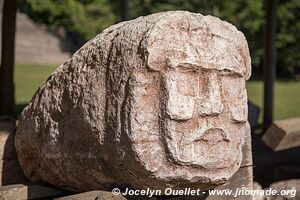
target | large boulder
[{"x": 155, "y": 102}]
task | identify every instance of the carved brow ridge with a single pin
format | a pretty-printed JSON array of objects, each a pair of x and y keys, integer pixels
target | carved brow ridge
[{"x": 205, "y": 66}]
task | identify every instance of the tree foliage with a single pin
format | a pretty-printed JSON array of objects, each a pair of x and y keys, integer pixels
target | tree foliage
[
  {"x": 86, "y": 17},
  {"x": 288, "y": 35}
]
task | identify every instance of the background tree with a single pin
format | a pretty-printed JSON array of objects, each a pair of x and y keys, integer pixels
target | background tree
[
  {"x": 85, "y": 17},
  {"x": 124, "y": 10},
  {"x": 7, "y": 57},
  {"x": 288, "y": 37}
]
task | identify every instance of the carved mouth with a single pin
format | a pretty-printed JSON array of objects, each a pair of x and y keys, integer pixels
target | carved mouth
[{"x": 213, "y": 136}]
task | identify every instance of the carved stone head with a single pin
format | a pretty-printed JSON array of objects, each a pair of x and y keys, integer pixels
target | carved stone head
[
  {"x": 155, "y": 102},
  {"x": 184, "y": 113}
]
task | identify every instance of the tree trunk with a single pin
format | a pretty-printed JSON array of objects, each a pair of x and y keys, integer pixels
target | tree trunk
[
  {"x": 269, "y": 61},
  {"x": 7, "y": 57}
]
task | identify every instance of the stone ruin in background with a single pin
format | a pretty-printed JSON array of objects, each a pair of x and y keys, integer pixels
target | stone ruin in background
[{"x": 156, "y": 102}]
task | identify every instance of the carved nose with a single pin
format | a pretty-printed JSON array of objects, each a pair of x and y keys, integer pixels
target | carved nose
[{"x": 211, "y": 99}]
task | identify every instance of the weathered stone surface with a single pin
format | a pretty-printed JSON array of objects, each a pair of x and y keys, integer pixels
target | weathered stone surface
[
  {"x": 283, "y": 134},
  {"x": 247, "y": 160},
  {"x": 291, "y": 190},
  {"x": 159, "y": 101},
  {"x": 242, "y": 179},
  {"x": 96, "y": 194},
  {"x": 20, "y": 191},
  {"x": 195, "y": 197},
  {"x": 257, "y": 186},
  {"x": 103, "y": 195}
]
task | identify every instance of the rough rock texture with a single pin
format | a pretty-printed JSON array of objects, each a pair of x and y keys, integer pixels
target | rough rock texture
[
  {"x": 243, "y": 178},
  {"x": 257, "y": 186},
  {"x": 159, "y": 101},
  {"x": 21, "y": 191},
  {"x": 283, "y": 134},
  {"x": 286, "y": 190},
  {"x": 96, "y": 195}
]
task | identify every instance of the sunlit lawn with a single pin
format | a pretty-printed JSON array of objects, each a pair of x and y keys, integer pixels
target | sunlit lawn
[
  {"x": 287, "y": 93},
  {"x": 287, "y": 98},
  {"x": 27, "y": 79}
]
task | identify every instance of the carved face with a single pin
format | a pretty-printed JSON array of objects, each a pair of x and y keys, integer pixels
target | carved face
[
  {"x": 189, "y": 108},
  {"x": 198, "y": 115},
  {"x": 204, "y": 114}
]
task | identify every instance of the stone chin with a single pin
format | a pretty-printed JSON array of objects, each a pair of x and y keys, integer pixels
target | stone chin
[{"x": 213, "y": 150}]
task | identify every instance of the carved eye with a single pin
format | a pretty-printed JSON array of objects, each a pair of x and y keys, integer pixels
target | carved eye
[
  {"x": 225, "y": 72},
  {"x": 228, "y": 72}
]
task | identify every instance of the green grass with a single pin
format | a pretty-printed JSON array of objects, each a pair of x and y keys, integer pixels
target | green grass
[
  {"x": 287, "y": 93},
  {"x": 287, "y": 98},
  {"x": 27, "y": 80}
]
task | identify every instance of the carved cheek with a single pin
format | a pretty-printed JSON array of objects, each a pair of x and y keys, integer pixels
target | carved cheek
[
  {"x": 142, "y": 107},
  {"x": 180, "y": 95},
  {"x": 235, "y": 93},
  {"x": 239, "y": 111}
]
